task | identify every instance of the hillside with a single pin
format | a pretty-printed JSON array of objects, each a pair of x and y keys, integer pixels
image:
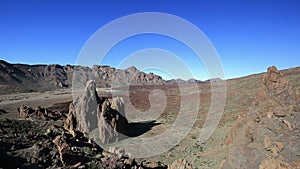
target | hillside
[{"x": 28, "y": 78}]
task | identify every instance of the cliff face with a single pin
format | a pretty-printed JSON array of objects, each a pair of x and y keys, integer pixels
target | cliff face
[
  {"x": 27, "y": 78},
  {"x": 24, "y": 78}
]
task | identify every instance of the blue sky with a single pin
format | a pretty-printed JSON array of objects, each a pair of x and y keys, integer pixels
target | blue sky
[{"x": 248, "y": 35}]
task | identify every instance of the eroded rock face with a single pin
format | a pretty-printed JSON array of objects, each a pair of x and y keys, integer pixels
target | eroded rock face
[
  {"x": 276, "y": 92},
  {"x": 103, "y": 118},
  {"x": 112, "y": 125},
  {"x": 267, "y": 137}
]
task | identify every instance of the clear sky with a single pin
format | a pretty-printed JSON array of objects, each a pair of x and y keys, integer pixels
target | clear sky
[{"x": 248, "y": 35}]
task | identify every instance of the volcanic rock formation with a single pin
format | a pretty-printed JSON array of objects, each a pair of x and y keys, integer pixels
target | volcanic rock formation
[
  {"x": 70, "y": 123},
  {"x": 104, "y": 118},
  {"x": 268, "y": 136}
]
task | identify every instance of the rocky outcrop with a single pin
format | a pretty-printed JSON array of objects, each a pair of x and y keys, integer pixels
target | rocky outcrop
[
  {"x": 267, "y": 136},
  {"x": 70, "y": 123},
  {"x": 276, "y": 95},
  {"x": 87, "y": 107},
  {"x": 40, "y": 113},
  {"x": 103, "y": 118},
  {"x": 42, "y": 144},
  {"x": 272, "y": 161},
  {"x": 143, "y": 78},
  {"x": 112, "y": 125},
  {"x": 180, "y": 164}
]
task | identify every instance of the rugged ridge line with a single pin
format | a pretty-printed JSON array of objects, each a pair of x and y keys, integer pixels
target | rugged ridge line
[{"x": 28, "y": 78}]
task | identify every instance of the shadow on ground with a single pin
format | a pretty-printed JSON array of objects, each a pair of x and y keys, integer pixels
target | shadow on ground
[
  {"x": 3, "y": 111},
  {"x": 139, "y": 128}
]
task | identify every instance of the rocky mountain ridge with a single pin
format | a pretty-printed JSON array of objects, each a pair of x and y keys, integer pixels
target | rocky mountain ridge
[
  {"x": 28, "y": 78},
  {"x": 15, "y": 78}
]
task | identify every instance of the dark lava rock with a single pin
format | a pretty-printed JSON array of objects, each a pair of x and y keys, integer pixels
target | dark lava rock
[{"x": 26, "y": 112}]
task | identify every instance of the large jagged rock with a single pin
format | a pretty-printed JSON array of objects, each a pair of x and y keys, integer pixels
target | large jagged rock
[
  {"x": 86, "y": 108},
  {"x": 70, "y": 123},
  {"x": 276, "y": 95},
  {"x": 103, "y": 118},
  {"x": 267, "y": 136}
]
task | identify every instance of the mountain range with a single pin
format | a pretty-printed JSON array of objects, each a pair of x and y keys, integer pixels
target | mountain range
[{"x": 29, "y": 78}]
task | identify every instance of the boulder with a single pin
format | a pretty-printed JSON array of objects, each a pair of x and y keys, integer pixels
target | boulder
[
  {"x": 272, "y": 163},
  {"x": 119, "y": 152},
  {"x": 153, "y": 165},
  {"x": 180, "y": 164}
]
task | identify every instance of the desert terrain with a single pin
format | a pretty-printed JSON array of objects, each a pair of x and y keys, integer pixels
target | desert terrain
[{"x": 259, "y": 127}]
